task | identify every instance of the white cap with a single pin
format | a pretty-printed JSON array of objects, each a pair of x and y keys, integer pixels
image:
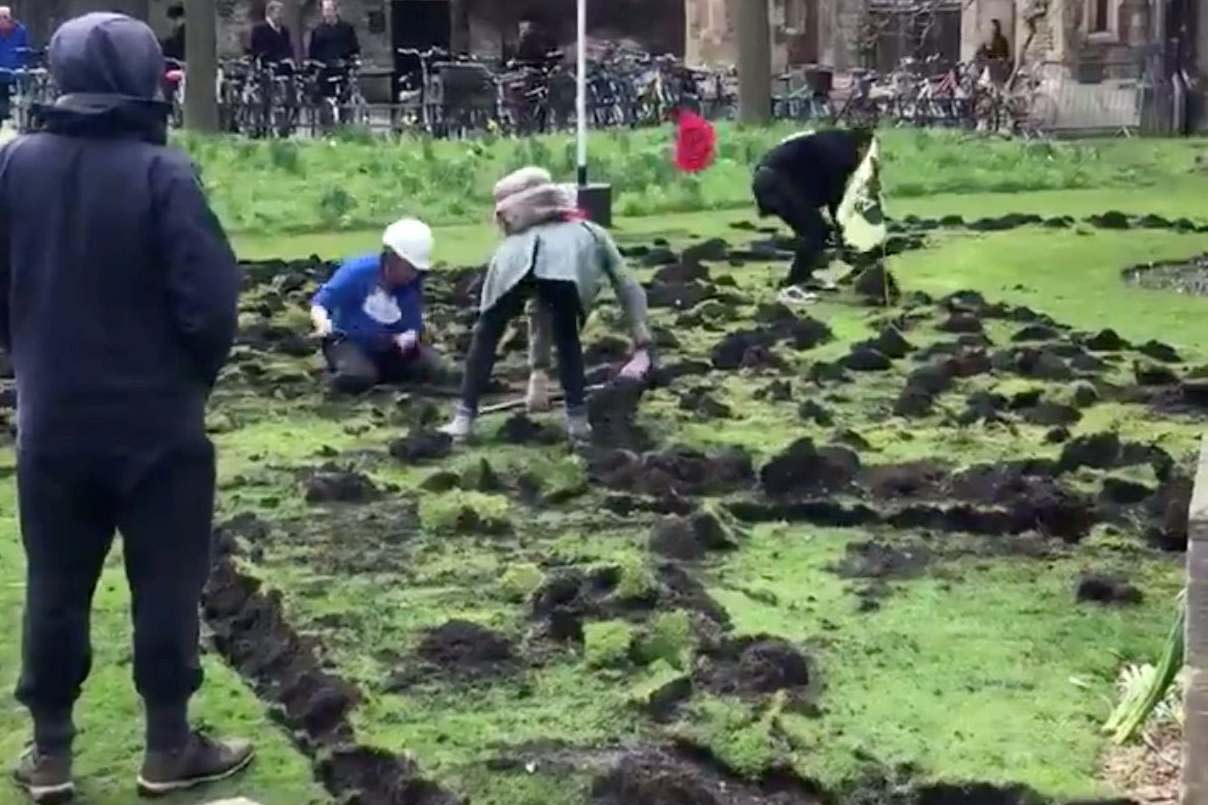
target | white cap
[{"x": 411, "y": 239}]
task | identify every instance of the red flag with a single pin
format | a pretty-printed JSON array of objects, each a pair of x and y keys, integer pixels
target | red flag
[{"x": 695, "y": 142}]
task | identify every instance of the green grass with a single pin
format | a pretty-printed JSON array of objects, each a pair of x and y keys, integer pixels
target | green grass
[
  {"x": 349, "y": 184},
  {"x": 964, "y": 673}
]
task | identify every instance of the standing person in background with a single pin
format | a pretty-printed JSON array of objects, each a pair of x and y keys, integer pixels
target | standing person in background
[
  {"x": 118, "y": 305},
  {"x": 14, "y": 42},
  {"x": 549, "y": 253},
  {"x": 333, "y": 40},
  {"x": 534, "y": 46},
  {"x": 174, "y": 44},
  {"x": 271, "y": 42}
]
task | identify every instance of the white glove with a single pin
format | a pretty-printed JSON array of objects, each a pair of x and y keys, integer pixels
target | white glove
[
  {"x": 638, "y": 366},
  {"x": 407, "y": 342},
  {"x": 322, "y": 321}
]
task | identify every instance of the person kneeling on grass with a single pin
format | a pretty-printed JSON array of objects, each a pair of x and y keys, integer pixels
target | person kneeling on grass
[
  {"x": 551, "y": 253},
  {"x": 370, "y": 315}
]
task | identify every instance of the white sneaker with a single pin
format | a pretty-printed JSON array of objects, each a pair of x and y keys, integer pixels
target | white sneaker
[
  {"x": 461, "y": 428},
  {"x": 537, "y": 399}
]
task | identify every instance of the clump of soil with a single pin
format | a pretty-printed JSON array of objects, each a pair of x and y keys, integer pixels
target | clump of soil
[
  {"x": 700, "y": 402},
  {"x": 753, "y": 666},
  {"x": 677, "y": 471},
  {"x": 814, "y": 412},
  {"x": 1169, "y": 509},
  {"x": 1152, "y": 374},
  {"x": 340, "y": 487},
  {"x": 519, "y": 429},
  {"x": 877, "y": 286},
  {"x": 677, "y": 295},
  {"x": 363, "y": 774},
  {"x": 961, "y": 323},
  {"x": 909, "y": 480},
  {"x": 420, "y": 446},
  {"x": 1106, "y": 341},
  {"x": 1036, "y": 332},
  {"x": 658, "y": 777},
  {"x": 1163, "y": 353},
  {"x": 1099, "y": 451},
  {"x": 613, "y": 414},
  {"x": 690, "y": 538},
  {"x": 1102, "y": 588},
  {"x": 463, "y": 648},
  {"x": 804, "y": 469},
  {"x": 866, "y": 359}
]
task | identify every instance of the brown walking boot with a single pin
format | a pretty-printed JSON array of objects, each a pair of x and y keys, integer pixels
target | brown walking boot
[
  {"x": 202, "y": 760},
  {"x": 46, "y": 778}
]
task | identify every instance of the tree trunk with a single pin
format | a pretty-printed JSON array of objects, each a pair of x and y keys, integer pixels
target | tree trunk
[
  {"x": 201, "y": 82},
  {"x": 754, "y": 60},
  {"x": 294, "y": 21},
  {"x": 459, "y": 23}
]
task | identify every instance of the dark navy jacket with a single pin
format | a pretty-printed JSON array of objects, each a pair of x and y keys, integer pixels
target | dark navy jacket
[{"x": 118, "y": 289}]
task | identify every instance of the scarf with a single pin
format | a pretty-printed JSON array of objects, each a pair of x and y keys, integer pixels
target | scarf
[{"x": 529, "y": 198}]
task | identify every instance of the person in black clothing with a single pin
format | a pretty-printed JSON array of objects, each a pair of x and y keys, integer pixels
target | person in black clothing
[
  {"x": 534, "y": 46},
  {"x": 333, "y": 43},
  {"x": 174, "y": 45},
  {"x": 799, "y": 177},
  {"x": 271, "y": 41},
  {"x": 333, "y": 40},
  {"x": 118, "y": 310}
]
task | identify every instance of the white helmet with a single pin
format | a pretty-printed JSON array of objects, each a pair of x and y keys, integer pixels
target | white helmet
[{"x": 411, "y": 239}]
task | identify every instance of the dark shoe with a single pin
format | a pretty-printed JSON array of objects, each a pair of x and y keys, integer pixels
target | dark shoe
[
  {"x": 202, "y": 760},
  {"x": 46, "y": 778}
]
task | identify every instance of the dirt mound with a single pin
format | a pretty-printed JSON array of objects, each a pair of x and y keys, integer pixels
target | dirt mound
[
  {"x": 1106, "y": 341},
  {"x": 804, "y": 469},
  {"x": 519, "y": 429},
  {"x": 753, "y": 666},
  {"x": 1163, "y": 353},
  {"x": 909, "y": 480},
  {"x": 613, "y": 414},
  {"x": 1168, "y": 510},
  {"x": 375, "y": 777},
  {"x": 681, "y": 272},
  {"x": 1097, "y": 450},
  {"x": 978, "y": 794},
  {"x": 340, "y": 487},
  {"x": 1102, "y": 588},
  {"x": 420, "y": 446},
  {"x": 876, "y": 285},
  {"x": 678, "y": 471},
  {"x": 659, "y": 777},
  {"x": 677, "y": 295},
  {"x": 690, "y": 538},
  {"x": 866, "y": 359},
  {"x": 463, "y": 648}
]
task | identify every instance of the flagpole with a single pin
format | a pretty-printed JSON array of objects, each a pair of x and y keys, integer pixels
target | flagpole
[{"x": 581, "y": 94}]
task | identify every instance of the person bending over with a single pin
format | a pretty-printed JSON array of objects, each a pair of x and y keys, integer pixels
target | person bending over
[
  {"x": 370, "y": 314},
  {"x": 802, "y": 175},
  {"x": 552, "y": 254}
]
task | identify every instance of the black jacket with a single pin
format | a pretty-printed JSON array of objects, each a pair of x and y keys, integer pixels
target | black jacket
[
  {"x": 174, "y": 45},
  {"x": 270, "y": 44},
  {"x": 333, "y": 42},
  {"x": 118, "y": 289},
  {"x": 818, "y": 165}
]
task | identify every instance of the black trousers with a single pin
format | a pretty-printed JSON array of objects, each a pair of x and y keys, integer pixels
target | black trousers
[
  {"x": 560, "y": 302},
  {"x": 70, "y": 507},
  {"x": 355, "y": 369},
  {"x": 777, "y": 194}
]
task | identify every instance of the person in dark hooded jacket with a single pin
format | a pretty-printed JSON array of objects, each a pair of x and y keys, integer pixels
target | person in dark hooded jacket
[
  {"x": 118, "y": 306},
  {"x": 802, "y": 175}
]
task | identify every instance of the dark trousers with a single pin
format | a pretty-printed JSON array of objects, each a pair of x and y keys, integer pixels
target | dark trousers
[
  {"x": 356, "y": 369},
  {"x": 559, "y": 300},
  {"x": 777, "y": 194},
  {"x": 71, "y": 505},
  {"x": 6, "y": 91}
]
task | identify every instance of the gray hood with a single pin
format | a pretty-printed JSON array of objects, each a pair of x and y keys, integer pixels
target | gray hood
[{"x": 107, "y": 54}]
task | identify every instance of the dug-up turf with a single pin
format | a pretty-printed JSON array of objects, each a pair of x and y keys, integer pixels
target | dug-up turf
[{"x": 250, "y": 631}]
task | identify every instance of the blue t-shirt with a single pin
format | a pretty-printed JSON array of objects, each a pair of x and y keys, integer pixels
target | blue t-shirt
[
  {"x": 12, "y": 46},
  {"x": 366, "y": 312}
]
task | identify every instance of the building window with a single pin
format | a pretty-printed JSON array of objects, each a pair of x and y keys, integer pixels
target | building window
[
  {"x": 796, "y": 16},
  {"x": 1101, "y": 18}
]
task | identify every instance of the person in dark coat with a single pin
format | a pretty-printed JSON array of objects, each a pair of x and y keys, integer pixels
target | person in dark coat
[
  {"x": 802, "y": 175},
  {"x": 14, "y": 46},
  {"x": 118, "y": 306},
  {"x": 174, "y": 45},
  {"x": 271, "y": 40},
  {"x": 333, "y": 40}
]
